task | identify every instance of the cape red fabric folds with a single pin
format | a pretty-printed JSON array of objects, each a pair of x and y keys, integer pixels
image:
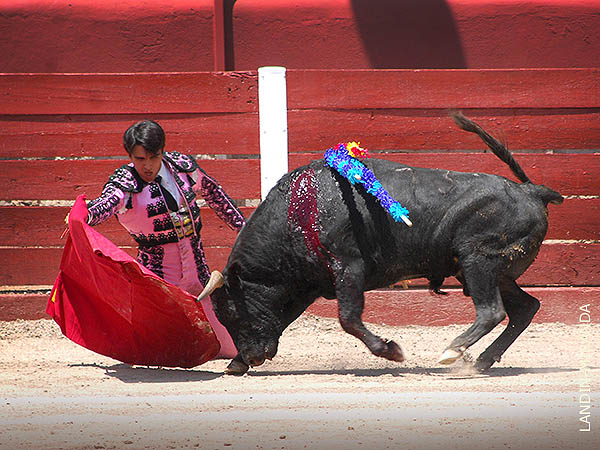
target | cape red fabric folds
[{"x": 105, "y": 301}]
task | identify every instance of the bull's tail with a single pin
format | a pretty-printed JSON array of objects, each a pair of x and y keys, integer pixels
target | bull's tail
[
  {"x": 546, "y": 194},
  {"x": 499, "y": 150}
]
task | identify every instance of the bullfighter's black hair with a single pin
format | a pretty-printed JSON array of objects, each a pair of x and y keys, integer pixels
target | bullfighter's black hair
[{"x": 146, "y": 133}]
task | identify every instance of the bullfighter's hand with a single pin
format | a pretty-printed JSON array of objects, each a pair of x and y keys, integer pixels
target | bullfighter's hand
[{"x": 66, "y": 231}]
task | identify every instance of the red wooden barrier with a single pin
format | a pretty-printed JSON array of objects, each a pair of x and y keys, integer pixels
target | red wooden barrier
[
  {"x": 76, "y": 135},
  {"x": 90, "y": 135},
  {"x": 65, "y": 179},
  {"x": 60, "y": 135},
  {"x": 216, "y": 113},
  {"x": 129, "y": 93},
  {"x": 236, "y": 92},
  {"x": 440, "y": 89},
  {"x": 430, "y": 130}
]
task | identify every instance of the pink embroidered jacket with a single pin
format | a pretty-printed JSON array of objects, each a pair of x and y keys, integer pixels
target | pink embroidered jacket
[{"x": 147, "y": 217}]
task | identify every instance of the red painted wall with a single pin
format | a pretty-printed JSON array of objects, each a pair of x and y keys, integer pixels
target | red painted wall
[
  {"x": 154, "y": 35},
  {"x": 106, "y": 35},
  {"x": 381, "y": 34}
]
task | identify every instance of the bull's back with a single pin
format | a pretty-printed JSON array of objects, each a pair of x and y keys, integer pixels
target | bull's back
[{"x": 447, "y": 208}]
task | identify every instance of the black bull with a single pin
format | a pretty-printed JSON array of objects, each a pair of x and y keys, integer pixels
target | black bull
[{"x": 318, "y": 235}]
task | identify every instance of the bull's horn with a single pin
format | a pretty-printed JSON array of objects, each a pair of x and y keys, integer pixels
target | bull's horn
[{"x": 215, "y": 281}]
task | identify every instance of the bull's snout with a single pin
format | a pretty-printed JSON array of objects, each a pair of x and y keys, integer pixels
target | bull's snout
[
  {"x": 256, "y": 361},
  {"x": 253, "y": 358}
]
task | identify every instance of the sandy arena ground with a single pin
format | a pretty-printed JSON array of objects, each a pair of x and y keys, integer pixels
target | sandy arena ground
[{"x": 322, "y": 391}]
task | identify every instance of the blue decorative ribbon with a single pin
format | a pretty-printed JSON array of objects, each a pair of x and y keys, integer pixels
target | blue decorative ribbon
[{"x": 356, "y": 172}]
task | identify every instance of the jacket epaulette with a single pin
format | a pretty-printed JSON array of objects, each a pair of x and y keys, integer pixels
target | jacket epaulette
[
  {"x": 181, "y": 162},
  {"x": 127, "y": 179}
]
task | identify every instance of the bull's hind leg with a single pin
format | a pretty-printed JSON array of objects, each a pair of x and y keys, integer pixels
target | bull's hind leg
[
  {"x": 520, "y": 307},
  {"x": 351, "y": 301},
  {"x": 489, "y": 310}
]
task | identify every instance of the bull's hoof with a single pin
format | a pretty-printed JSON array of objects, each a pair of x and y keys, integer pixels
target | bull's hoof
[
  {"x": 393, "y": 352},
  {"x": 450, "y": 356},
  {"x": 236, "y": 367},
  {"x": 483, "y": 364}
]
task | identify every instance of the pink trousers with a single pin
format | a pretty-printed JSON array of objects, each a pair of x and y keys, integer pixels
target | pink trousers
[{"x": 180, "y": 267}]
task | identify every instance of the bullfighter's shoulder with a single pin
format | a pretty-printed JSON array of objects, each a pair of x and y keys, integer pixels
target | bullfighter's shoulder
[
  {"x": 183, "y": 163},
  {"x": 127, "y": 179}
]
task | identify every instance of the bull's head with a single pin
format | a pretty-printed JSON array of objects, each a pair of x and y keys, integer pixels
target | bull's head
[{"x": 252, "y": 322}]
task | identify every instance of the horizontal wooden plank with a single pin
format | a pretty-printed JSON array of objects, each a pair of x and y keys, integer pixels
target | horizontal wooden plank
[
  {"x": 387, "y": 307},
  {"x": 576, "y": 218},
  {"x": 569, "y": 174},
  {"x": 419, "y": 307},
  {"x": 432, "y": 129},
  {"x": 65, "y": 180},
  {"x": 154, "y": 93},
  {"x": 473, "y": 88},
  {"x": 18, "y": 227},
  {"x": 237, "y": 91},
  {"x": 570, "y": 264},
  {"x": 50, "y": 136},
  {"x": 23, "y": 307}
]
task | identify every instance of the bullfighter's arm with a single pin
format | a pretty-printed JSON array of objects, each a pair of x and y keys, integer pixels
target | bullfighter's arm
[
  {"x": 107, "y": 205},
  {"x": 218, "y": 200}
]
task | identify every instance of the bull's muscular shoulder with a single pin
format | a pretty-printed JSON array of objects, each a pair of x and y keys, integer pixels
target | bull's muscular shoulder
[
  {"x": 127, "y": 179},
  {"x": 181, "y": 162}
]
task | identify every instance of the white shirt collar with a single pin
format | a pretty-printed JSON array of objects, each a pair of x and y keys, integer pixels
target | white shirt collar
[
  {"x": 168, "y": 181},
  {"x": 164, "y": 172}
]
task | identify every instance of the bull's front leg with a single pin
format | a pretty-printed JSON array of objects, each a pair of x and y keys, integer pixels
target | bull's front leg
[{"x": 351, "y": 300}]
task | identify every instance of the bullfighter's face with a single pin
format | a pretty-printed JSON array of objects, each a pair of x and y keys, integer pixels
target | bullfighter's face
[
  {"x": 147, "y": 164},
  {"x": 254, "y": 333}
]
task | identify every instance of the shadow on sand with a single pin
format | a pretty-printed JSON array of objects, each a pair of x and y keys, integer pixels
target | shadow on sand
[
  {"x": 143, "y": 374},
  {"x": 153, "y": 374}
]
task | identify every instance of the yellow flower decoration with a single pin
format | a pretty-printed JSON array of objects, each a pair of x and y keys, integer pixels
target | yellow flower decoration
[{"x": 356, "y": 151}]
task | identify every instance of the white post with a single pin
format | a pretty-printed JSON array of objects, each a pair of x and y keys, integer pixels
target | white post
[{"x": 272, "y": 113}]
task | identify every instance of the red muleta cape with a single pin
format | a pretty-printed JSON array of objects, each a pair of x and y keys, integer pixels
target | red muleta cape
[{"x": 107, "y": 302}]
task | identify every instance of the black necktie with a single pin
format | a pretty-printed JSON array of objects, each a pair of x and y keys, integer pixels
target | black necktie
[{"x": 171, "y": 203}]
